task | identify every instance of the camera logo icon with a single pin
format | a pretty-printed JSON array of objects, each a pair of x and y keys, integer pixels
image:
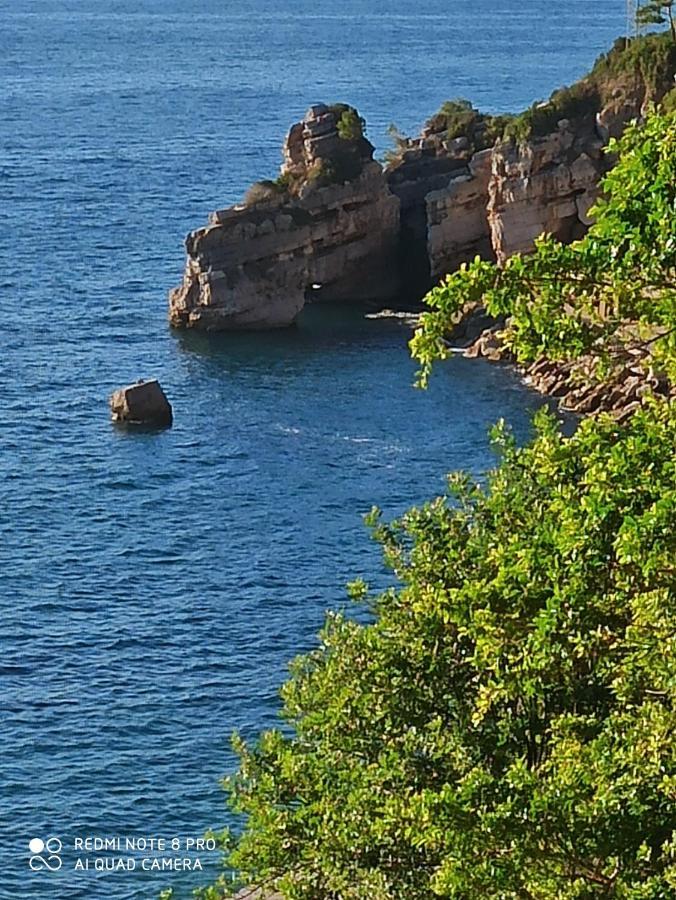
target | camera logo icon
[{"x": 45, "y": 854}]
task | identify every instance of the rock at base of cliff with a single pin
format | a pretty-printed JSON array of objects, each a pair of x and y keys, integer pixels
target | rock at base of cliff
[{"x": 143, "y": 403}]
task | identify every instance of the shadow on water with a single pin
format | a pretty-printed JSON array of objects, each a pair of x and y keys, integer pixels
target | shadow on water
[
  {"x": 133, "y": 429},
  {"x": 318, "y": 328},
  {"x": 327, "y": 336}
]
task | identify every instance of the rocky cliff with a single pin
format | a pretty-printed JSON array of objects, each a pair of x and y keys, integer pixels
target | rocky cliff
[
  {"x": 543, "y": 185},
  {"x": 337, "y": 226},
  {"x": 326, "y": 230}
]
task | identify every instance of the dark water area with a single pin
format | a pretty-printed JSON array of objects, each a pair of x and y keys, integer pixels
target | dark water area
[{"x": 153, "y": 586}]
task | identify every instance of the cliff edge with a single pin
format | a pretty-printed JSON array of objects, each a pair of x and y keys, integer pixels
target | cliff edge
[
  {"x": 326, "y": 229},
  {"x": 337, "y": 226}
]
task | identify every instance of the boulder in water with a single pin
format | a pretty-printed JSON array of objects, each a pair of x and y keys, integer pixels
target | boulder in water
[{"x": 143, "y": 403}]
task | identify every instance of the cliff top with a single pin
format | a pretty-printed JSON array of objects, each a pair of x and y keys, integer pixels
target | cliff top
[
  {"x": 634, "y": 73},
  {"x": 328, "y": 146}
]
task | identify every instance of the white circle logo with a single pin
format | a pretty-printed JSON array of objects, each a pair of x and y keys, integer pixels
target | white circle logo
[{"x": 45, "y": 854}]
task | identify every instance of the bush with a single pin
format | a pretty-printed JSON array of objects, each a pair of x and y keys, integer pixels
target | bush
[
  {"x": 267, "y": 190},
  {"x": 350, "y": 126},
  {"x": 576, "y": 102},
  {"x": 503, "y": 728},
  {"x": 341, "y": 168},
  {"x": 648, "y": 61},
  {"x": 457, "y": 117},
  {"x": 651, "y": 58},
  {"x": 669, "y": 101}
]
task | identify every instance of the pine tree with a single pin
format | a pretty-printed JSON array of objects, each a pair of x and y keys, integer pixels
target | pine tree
[{"x": 658, "y": 12}]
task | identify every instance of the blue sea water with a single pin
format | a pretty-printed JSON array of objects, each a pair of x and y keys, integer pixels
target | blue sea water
[{"x": 153, "y": 586}]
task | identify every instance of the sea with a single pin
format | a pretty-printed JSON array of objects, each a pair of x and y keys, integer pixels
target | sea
[{"x": 155, "y": 585}]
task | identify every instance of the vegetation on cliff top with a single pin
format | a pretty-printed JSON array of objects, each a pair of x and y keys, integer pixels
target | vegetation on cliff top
[
  {"x": 642, "y": 66},
  {"x": 345, "y": 164},
  {"x": 459, "y": 118},
  {"x": 504, "y": 726}
]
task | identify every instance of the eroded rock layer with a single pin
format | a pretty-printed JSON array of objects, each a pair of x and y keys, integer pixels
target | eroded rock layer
[
  {"x": 544, "y": 185},
  {"x": 317, "y": 236},
  {"x": 336, "y": 226}
]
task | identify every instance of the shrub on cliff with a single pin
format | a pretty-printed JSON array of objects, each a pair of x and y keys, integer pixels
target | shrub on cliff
[
  {"x": 459, "y": 118},
  {"x": 504, "y": 726},
  {"x": 267, "y": 190},
  {"x": 342, "y": 167},
  {"x": 455, "y": 118},
  {"x": 577, "y": 102},
  {"x": 642, "y": 66},
  {"x": 648, "y": 60},
  {"x": 351, "y": 126}
]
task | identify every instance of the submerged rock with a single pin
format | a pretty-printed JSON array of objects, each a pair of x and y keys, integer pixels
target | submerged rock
[{"x": 143, "y": 403}]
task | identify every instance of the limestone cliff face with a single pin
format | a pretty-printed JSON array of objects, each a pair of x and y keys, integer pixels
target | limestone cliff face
[
  {"x": 457, "y": 220},
  {"x": 465, "y": 192},
  {"x": 335, "y": 226},
  {"x": 495, "y": 202},
  {"x": 317, "y": 236},
  {"x": 427, "y": 166},
  {"x": 545, "y": 185}
]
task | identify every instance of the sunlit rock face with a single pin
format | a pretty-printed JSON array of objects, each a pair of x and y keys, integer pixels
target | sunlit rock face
[
  {"x": 546, "y": 185},
  {"x": 336, "y": 226},
  {"x": 327, "y": 230}
]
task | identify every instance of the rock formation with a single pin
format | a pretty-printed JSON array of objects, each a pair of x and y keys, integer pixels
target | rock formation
[
  {"x": 335, "y": 226},
  {"x": 576, "y": 384},
  {"x": 326, "y": 231},
  {"x": 545, "y": 185},
  {"x": 143, "y": 403}
]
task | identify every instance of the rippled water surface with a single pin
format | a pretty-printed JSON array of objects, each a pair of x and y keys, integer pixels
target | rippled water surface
[{"x": 153, "y": 586}]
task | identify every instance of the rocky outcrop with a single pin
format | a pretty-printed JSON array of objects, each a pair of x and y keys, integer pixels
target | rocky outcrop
[
  {"x": 143, "y": 403},
  {"x": 335, "y": 226},
  {"x": 546, "y": 185},
  {"x": 429, "y": 166},
  {"x": 456, "y": 205},
  {"x": 327, "y": 231},
  {"x": 457, "y": 220},
  {"x": 576, "y": 384}
]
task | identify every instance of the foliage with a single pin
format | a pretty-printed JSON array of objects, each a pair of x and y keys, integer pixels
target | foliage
[
  {"x": 646, "y": 64},
  {"x": 635, "y": 70},
  {"x": 658, "y": 12},
  {"x": 459, "y": 118},
  {"x": 394, "y": 156},
  {"x": 267, "y": 190},
  {"x": 574, "y": 102},
  {"x": 351, "y": 126},
  {"x": 455, "y": 118},
  {"x": 669, "y": 102},
  {"x": 503, "y": 728},
  {"x": 649, "y": 60},
  {"x": 563, "y": 301},
  {"x": 342, "y": 167}
]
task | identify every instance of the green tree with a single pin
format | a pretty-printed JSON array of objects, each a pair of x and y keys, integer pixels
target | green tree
[
  {"x": 658, "y": 12},
  {"x": 503, "y": 728}
]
